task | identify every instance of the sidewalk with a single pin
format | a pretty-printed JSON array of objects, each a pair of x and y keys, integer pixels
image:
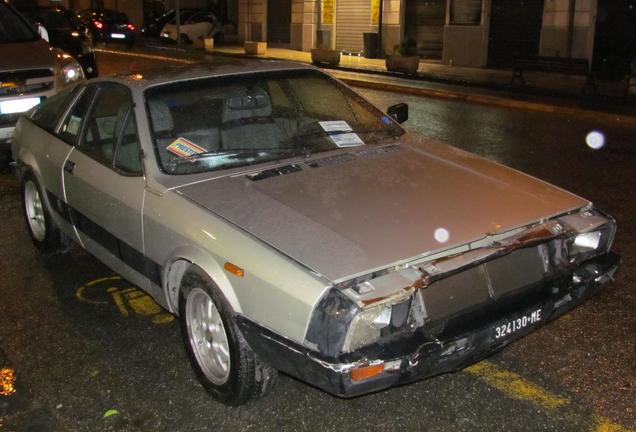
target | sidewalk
[{"x": 544, "y": 92}]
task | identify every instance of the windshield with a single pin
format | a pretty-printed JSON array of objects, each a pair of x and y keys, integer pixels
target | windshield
[
  {"x": 13, "y": 28},
  {"x": 216, "y": 123}
]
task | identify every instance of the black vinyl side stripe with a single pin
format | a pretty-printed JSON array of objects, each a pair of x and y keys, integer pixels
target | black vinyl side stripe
[{"x": 119, "y": 248}]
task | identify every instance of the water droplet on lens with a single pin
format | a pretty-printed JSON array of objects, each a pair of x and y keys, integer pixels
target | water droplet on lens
[
  {"x": 441, "y": 235},
  {"x": 595, "y": 140}
]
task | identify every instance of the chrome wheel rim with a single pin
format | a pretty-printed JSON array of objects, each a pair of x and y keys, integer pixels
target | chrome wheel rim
[
  {"x": 34, "y": 211},
  {"x": 207, "y": 335}
]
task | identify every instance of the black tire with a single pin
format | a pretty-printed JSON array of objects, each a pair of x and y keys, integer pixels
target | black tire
[
  {"x": 248, "y": 378},
  {"x": 185, "y": 39},
  {"x": 48, "y": 238}
]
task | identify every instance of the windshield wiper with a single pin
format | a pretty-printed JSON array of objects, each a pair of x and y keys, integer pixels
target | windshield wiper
[
  {"x": 238, "y": 155},
  {"x": 336, "y": 132}
]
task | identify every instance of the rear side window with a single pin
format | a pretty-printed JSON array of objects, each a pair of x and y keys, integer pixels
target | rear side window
[{"x": 48, "y": 113}]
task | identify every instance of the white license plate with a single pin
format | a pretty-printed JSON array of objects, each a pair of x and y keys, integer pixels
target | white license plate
[
  {"x": 18, "y": 105},
  {"x": 510, "y": 327},
  {"x": 118, "y": 36}
]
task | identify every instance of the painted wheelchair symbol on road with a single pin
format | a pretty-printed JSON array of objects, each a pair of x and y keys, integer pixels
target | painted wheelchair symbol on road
[{"x": 128, "y": 299}]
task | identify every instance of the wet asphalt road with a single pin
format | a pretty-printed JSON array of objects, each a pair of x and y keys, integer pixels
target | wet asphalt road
[{"x": 82, "y": 342}]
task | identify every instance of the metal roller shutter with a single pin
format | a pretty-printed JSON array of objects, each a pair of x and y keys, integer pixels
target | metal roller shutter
[
  {"x": 353, "y": 18},
  {"x": 425, "y": 25}
]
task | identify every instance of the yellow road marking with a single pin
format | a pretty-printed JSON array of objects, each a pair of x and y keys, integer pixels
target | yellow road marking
[
  {"x": 514, "y": 385},
  {"x": 109, "y": 278},
  {"x": 604, "y": 424},
  {"x": 114, "y": 292},
  {"x": 127, "y": 300},
  {"x": 147, "y": 56}
]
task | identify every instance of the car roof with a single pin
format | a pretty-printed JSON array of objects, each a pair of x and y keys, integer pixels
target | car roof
[{"x": 221, "y": 66}]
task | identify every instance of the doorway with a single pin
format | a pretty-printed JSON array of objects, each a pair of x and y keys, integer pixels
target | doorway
[
  {"x": 278, "y": 22},
  {"x": 515, "y": 31}
]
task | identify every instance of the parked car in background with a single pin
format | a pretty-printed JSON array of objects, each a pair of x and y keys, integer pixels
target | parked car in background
[
  {"x": 154, "y": 27},
  {"x": 66, "y": 33},
  {"x": 30, "y": 71},
  {"x": 105, "y": 25},
  {"x": 195, "y": 25},
  {"x": 293, "y": 226}
]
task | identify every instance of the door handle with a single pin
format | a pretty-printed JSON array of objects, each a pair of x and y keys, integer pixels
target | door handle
[{"x": 69, "y": 166}]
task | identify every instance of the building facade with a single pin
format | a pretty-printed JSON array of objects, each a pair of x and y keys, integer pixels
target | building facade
[
  {"x": 478, "y": 33},
  {"x": 474, "y": 33}
]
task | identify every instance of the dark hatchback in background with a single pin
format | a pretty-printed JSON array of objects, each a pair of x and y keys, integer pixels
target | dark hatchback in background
[
  {"x": 66, "y": 33},
  {"x": 105, "y": 25}
]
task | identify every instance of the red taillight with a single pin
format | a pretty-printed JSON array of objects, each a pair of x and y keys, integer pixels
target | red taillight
[
  {"x": 131, "y": 26},
  {"x": 98, "y": 24}
]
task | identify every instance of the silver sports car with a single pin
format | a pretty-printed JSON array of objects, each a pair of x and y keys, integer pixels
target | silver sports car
[{"x": 292, "y": 226}]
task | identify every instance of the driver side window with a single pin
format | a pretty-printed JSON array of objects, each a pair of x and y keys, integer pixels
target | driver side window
[{"x": 110, "y": 134}]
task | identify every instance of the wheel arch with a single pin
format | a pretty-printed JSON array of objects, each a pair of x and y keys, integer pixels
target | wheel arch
[
  {"x": 181, "y": 260},
  {"x": 23, "y": 171}
]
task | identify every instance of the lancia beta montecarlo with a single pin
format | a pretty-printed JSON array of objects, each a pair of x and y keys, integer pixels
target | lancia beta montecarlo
[{"x": 292, "y": 226}]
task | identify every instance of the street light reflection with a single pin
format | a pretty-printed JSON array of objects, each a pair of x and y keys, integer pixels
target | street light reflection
[{"x": 7, "y": 381}]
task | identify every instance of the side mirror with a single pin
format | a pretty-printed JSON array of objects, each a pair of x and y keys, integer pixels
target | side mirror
[{"x": 399, "y": 112}]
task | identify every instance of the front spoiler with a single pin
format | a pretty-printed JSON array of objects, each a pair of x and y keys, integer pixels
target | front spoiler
[{"x": 417, "y": 356}]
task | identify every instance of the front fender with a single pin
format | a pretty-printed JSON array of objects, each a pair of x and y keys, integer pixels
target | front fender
[{"x": 209, "y": 263}]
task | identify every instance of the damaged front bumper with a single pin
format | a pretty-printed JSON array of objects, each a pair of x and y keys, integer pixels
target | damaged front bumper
[{"x": 464, "y": 340}]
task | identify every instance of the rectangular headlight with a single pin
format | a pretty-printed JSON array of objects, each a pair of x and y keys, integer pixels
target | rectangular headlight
[
  {"x": 590, "y": 244},
  {"x": 587, "y": 241}
]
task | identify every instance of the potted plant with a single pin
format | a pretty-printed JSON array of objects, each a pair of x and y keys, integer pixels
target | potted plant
[
  {"x": 404, "y": 58},
  {"x": 324, "y": 55}
]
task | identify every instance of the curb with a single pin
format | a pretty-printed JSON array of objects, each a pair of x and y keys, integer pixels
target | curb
[{"x": 497, "y": 101}]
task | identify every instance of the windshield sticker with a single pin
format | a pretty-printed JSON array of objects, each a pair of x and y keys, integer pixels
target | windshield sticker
[
  {"x": 386, "y": 120},
  {"x": 335, "y": 126},
  {"x": 345, "y": 139},
  {"x": 184, "y": 148}
]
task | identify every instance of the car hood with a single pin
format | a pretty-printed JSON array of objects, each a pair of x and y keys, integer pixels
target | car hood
[
  {"x": 351, "y": 213},
  {"x": 12, "y": 55}
]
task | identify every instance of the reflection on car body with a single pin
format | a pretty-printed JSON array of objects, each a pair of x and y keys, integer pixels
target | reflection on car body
[{"x": 293, "y": 226}]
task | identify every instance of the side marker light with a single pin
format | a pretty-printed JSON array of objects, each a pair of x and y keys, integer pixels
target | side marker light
[{"x": 234, "y": 269}]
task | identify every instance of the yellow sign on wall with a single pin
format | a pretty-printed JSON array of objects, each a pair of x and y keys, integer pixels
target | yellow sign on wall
[
  {"x": 327, "y": 12},
  {"x": 375, "y": 12}
]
